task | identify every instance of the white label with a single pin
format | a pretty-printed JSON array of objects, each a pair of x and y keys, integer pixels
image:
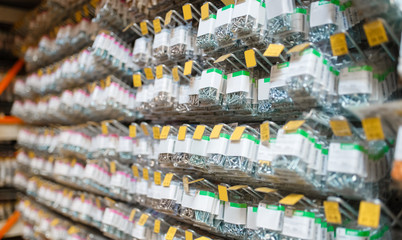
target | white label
[
  {"x": 279, "y": 75},
  {"x": 235, "y": 213},
  {"x": 299, "y": 227},
  {"x": 223, "y": 17},
  {"x": 279, "y": 7},
  {"x": 323, "y": 12},
  {"x": 217, "y": 145},
  {"x": 140, "y": 45},
  {"x": 398, "y": 146},
  {"x": 183, "y": 146},
  {"x": 178, "y": 36},
  {"x": 161, "y": 39},
  {"x": 354, "y": 82},
  {"x": 288, "y": 144},
  {"x": 203, "y": 201},
  {"x": 251, "y": 218},
  {"x": 345, "y": 158},
  {"x": 166, "y": 145},
  {"x": 241, "y": 148},
  {"x": 206, "y": 27},
  {"x": 346, "y": 234},
  {"x": 238, "y": 84},
  {"x": 264, "y": 85},
  {"x": 199, "y": 147},
  {"x": 210, "y": 79},
  {"x": 270, "y": 217}
]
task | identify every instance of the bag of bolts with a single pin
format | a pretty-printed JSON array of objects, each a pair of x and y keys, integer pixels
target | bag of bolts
[
  {"x": 305, "y": 70},
  {"x": 325, "y": 91},
  {"x": 168, "y": 203},
  {"x": 355, "y": 85},
  {"x": 166, "y": 147},
  {"x": 143, "y": 185},
  {"x": 120, "y": 179},
  {"x": 142, "y": 51},
  {"x": 142, "y": 145},
  {"x": 248, "y": 20},
  {"x": 199, "y": 147},
  {"x": 223, "y": 35},
  {"x": 217, "y": 147},
  {"x": 204, "y": 207},
  {"x": 264, "y": 104},
  {"x": 211, "y": 86},
  {"x": 182, "y": 43},
  {"x": 235, "y": 219},
  {"x": 241, "y": 153},
  {"x": 240, "y": 91},
  {"x": 325, "y": 20},
  {"x": 182, "y": 147},
  {"x": 278, "y": 95},
  {"x": 161, "y": 45},
  {"x": 163, "y": 91},
  {"x": 205, "y": 35}
]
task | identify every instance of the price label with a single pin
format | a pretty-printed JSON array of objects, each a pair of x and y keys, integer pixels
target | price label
[
  {"x": 188, "y": 67},
  {"x": 223, "y": 193},
  {"x": 156, "y": 132},
  {"x": 199, "y": 132},
  {"x": 104, "y": 128},
  {"x": 137, "y": 80},
  {"x": 165, "y": 132},
  {"x": 338, "y": 44},
  {"x": 145, "y": 174},
  {"x": 332, "y": 213},
  {"x": 132, "y": 131},
  {"x": 250, "y": 58},
  {"x": 375, "y": 33},
  {"x": 373, "y": 129},
  {"x": 72, "y": 230},
  {"x": 54, "y": 222},
  {"x": 228, "y": 2},
  {"x": 170, "y": 234},
  {"x": 175, "y": 73},
  {"x": 188, "y": 235},
  {"x": 113, "y": 167},
  {"x": 237, "y": 187},
  {"x": 187, "y": 15},
  {"x": 73, "y": 162},
  {"x": 293, "y": 125},
  {"x": 159, "y": 71},
  {"x": 144, "y": 28},
  {"x": 274, "y": 50},
  {"x": 265, "y": 190},
  {"x": 157, "y": 178},
  {"x": 86, "y": 10},
  {"x": 299, "y": 48},
  {"x": 205, "y": 11},
  {"x": 143, "y": 219},
  {"x": 369, "y": 214},
  {"x": 78, "y": 16},
  {"x": 264, "y": 131},
  {"x": 216, "y": 131},
  {"x": 149, "y": 74},
  {"x": 132, "y": 215},
  {"x": 168, "y": 17},
  {"x": 136, "y": 173},
  {"x": 144, "y": 129},
  {"x": 182, "y": 133},
  {"x": 97, "y": 202},
  {"x": 157, "y": 25},
  {"x": 291, "y": 199},
  {"x": 167, "y": 180},
  {"x": 340, "y": 128},
  {"x": 223, "y": 58},
  {"x": 157, "y": 226},
  {"x": 108, "y": 81},
  {"x": 186, "y": 185},
  {"x": 82, "y": 197},
  {"x": 237, "y": 133}
]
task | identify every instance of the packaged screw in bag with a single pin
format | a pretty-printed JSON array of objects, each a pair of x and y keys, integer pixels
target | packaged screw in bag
[
  {"x": 239, "y": 91},
  {"x": 199, "y": 147},
  {"x": 182, "y": 147},
  {"x": 205, "y": 35},
  {"x": 355, "y": 85},
  {"x": 211, "y": 87},
  {"x": 324, "y": 20},
  {"x": 223, "y": 35},
  {"x": 142, "y": 51},
  {"x": 217, "y": 147},
  {"x": 161, "y": 45},
  {"x": 166, "y": 146}
]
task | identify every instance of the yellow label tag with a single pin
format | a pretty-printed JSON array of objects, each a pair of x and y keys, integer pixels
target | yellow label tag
[
  {"x": 228, "y": 2},
  {"x": 291, "y": 199},
  {"x": 182, "y": 133},
  {"x": 293, "y": 125},
  {"x": 375, "y": 33},
  {"x": 156, "y": 132},
  {"x": 250, "y": 58},
  {"x": 86, "y": 11},
  {"x": 369, "y": 214},
  {"x": 148, "y": 73},
  {"x": 31, "y": 154},
  {"x": 223, "y": 193},
  {"x": 338, "y": 44},
  {"x": 108, "y": 81},
  {"x": 274, "y": 50},
  {"x": 102, "y": 84},
  {"x": 188, "y": 235},
  {"x": 82, "y": 197},
  {"x": 188, "y": 67},
  {"x": 111, "y": 201},
  {"x": 168, "y": 17},
  {"x": 340, "y": 128},
  {"x": 205, "y": 11},
  {"x": 132, "y": 131},
  {"x": 54, "y": 222},
  {"x": 113, "y": 167},
  {"x": 223, "y": 58},
  {"x": 186, "y": 185},
  {"x": 70, "y": 194},
  {"x": 132, "y": 215},
  {"x": 167, "y": 180},
  {"x": 199, "y": 132},
  {"x": 136, "y": 173},
  {"x": 175, "y": 73},
  {"x": 73, "y": 162},
  {"x": 157, "y": 178},
  {"x": 197, "y": 180},
  {"x": 237, "y": 187},
  {"x": 187, "y": 15},
  {"x": 145, "y": 174},
  {"x": 170, "y": 234},
  {"x": 373, "y": 129},
  {"x": 159, "y": 71},
  {"x": 165, "y": 132},
  {"x": 143, "y": 219},
  {"x": 264, "y": 131},
  {"x": 40, "y": 72},
  {"x": 157, "y": 226},
  {"x": 144, "y": 129},
  {"x": 27, "y": 203},
  {"x": 203, "y": 238},
  {"x": 265, "y": 190},
  {"x": 51, "y": 159},
  {"x": 104, "y": 128},
  {"x": 157, "y": 25},
  {"x": 72, "y": 230},
  {"x": 137, "y": 80},
  {"x": 237, "y": 133},
  {"x": 94, "y": 3},
  {"x": 298, "y": 48},
  {"x": 78, "y": 16},
  {"x": 97, "y": 202},
  {"x": 332, "y": 213},
  {"x": 216, "y": 131},
  {"x": 144, "y": 28}
]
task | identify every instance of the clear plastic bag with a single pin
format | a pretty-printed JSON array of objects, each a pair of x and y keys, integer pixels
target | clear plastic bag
[
  {"x": 223, "y": 35},
  {"x": 205, "y": 35},
  {"x": 211, "y": 87}
]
